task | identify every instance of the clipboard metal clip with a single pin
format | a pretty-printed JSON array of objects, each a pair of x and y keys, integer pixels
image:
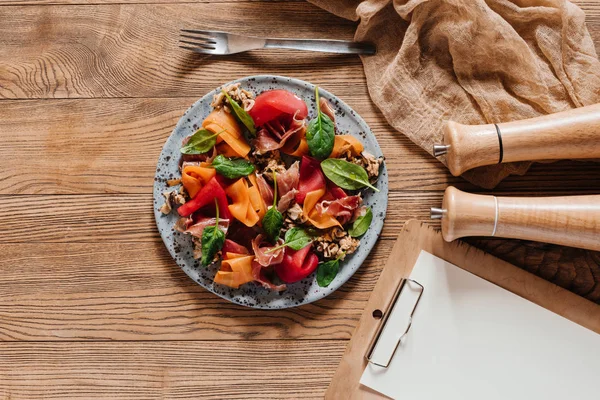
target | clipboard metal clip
[{"x": 386, "y": 315}]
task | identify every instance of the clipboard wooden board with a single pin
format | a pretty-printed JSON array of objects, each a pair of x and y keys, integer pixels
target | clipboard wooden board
[{"x": 416, "y": 236}]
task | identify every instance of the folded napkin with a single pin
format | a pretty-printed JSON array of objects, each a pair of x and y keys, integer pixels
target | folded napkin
[{"x": 475, "y": 62}]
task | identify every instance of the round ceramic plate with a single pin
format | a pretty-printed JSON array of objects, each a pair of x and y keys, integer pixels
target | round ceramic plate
[{"x": 251, "y": 294}]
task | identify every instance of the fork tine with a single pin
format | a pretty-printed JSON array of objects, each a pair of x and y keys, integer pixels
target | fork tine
[
  {"x": 197, "y": 50},
  {"x": 207, "y": 40},
  {"x": 201, "y": 45}
]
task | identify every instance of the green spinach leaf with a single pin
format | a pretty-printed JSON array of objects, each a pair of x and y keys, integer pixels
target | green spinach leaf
[
  {"x": 272, "y": 223},
  {"x": 361, "y": 225},
  {"x": 273, "y": 220},
  {"x": 320, "y": 133},
  {"x": 346, "y": 174},
  {"x": 201, "y": 141},
  {"x": 327, "y": 271},
  {"x": 213, "y": 239},
  {"x": 296, "y": 239},
  {"x": 241, "y": 114},
  {"x": 232, "y": 168}
]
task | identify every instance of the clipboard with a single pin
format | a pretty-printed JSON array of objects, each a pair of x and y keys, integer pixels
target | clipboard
[{"x": 417, "y": 236}]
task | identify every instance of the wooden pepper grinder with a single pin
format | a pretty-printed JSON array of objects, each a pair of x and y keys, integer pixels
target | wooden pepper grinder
[
  {"x": 566, "y": 220},
  {"x": 572, "y": 134}
]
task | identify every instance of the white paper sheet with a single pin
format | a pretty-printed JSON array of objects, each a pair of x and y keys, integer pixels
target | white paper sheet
[{"x": 471, "y": 339}]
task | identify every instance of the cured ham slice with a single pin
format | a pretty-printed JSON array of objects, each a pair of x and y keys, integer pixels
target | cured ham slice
[
  {"x": 263, "y": 257},
  {"x": 273, "y": 137},
  {"x": 260, "y": 278},
  {"x": 342, "y": 209},
  {"x": 327, "y": 108},
  {"x": 183, "y": 224},
  {"x": 197, "y": 229},
  {"x": 287, "y": 185},
  {"x": 289, "y": 179},
  {"x": 286, "y": 200},
  {"x": 265, "y": 189}
]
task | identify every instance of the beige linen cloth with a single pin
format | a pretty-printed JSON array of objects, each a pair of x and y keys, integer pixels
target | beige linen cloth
[{"x": 475, "y": 62}]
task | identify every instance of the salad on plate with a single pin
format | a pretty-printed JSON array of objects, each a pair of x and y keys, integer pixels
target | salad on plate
[{"x": 270, "y": 193}]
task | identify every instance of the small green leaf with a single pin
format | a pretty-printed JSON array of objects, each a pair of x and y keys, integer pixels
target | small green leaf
[
  {"x": 361, "y": 225},
  {"x": 201, "y": 142},
  {"x": 320, "y": 134},
  {"x": 272, "y": 223},
  {"x": 327, "y": 272},
  {"x": 241, "y": 114},
  {"x": 346, "y": 174},
  {"x": 273, "y": 219},
  {"x": 213, "y": 239},
  {"x": 297, "y": 238},
  {"x": 232, "y": 168}
]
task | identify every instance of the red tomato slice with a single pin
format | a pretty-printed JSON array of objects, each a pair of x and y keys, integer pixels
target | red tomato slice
[
  {"x": 311, "y": 178},
  {"x": 207, "y": 195},
  {"x": 273, "y": 104},
  {"x": 297, "y": 265},
  {"x": 232, "y": 247},
  {"x": 335, "y": 191}
]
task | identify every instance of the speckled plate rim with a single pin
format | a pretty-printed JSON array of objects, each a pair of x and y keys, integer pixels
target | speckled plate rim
[{"x": 246, "y": 295}]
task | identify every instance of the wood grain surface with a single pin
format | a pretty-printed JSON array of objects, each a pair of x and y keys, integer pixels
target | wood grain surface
[
  {"x": 282, "y": 369},
  {"x": 91, "y": 305}
]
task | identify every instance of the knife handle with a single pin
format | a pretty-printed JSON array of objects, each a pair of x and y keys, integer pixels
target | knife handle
[
  {"x": 567, "y": 220},
  {"x": 572, "y": 134}
]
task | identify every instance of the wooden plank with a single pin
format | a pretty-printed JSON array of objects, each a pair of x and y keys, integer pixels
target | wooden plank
[
  {"x": 79, "y": 51},
  {"x": 110, "y": 291},
  {"x": 134, "y": 291},
  {"x": 115, "y": 50},
  {"x": 95, "y": 2},
  {"x": 111, "y": 155},
  {"x": 129, "y": 218},
  {"x": 149, "y": 370},
  {"x": 78, "y": 146}
]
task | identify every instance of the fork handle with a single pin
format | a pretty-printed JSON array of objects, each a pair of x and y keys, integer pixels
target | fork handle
[{"x": 322, "y": 45}]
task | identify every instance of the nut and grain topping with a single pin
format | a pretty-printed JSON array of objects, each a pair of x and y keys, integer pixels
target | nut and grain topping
[
  {"x": 331, "y": 250},
  {"x": 369, "y": 162},
  {"x": 172, "y": 199},
  {"x": 348, "y": 245},
  {"x": 274, "y": 165},
  {"x": 262, "y": 160},
  {"x": 336, "y": 243},
  {"x": 197, "y": 242},
  {"x": 295, "y": 214},
  {"x": 241, "y": 96}
]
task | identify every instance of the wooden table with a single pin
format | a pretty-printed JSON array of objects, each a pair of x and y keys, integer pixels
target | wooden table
[{"x": 91, "y": 304}]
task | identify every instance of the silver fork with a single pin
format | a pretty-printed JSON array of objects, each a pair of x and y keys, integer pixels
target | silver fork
[{"x": 220, "y": 43}]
